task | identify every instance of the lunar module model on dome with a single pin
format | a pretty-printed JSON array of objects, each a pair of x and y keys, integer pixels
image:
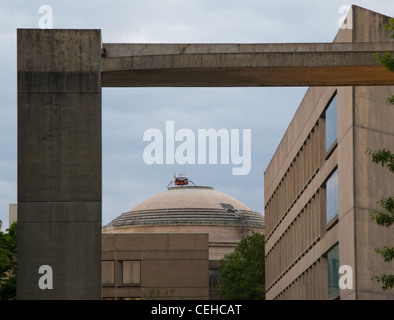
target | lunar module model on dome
[{"x": 180, "y": 180}]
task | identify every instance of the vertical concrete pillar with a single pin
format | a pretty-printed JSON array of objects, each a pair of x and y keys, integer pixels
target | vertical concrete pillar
[
  {"x": 372, "y": 129},
  {"x": 59, "y": 164}
]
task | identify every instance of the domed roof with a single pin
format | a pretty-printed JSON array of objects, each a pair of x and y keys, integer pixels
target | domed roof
[
  {"x": 188, "y": 205},
  {"x": 192, "y": 197}
]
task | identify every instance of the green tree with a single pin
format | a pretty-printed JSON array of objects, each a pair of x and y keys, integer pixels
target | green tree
[
  {"x": 243, "y": 271},
  {"x": 8, "y": 263},
  {"x": 385, "y": 216},
  {"x": 387, "y": 59}
]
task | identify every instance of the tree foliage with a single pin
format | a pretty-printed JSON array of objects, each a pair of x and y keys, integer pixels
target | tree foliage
[
  {"x": 383, "y": 157},
  {"x": 8, "y": 263},
  {"x": 390, "y": 27},
  {"x": 243, "y": 271},
  {"x": 385, "y": 216},
  {"x": 387, "y": 60}
]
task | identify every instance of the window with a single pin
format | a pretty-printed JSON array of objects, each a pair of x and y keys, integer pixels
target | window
[
  {"x": 108, "y": 272},
  {"x": 227, "y": 207},
  {"x": 331, "y": 122},
  {"x": 131, "y": 272},
  {"x": 214, "y": 283},
  {"x": 332, "y": 196},
  {"x": 333, "y": 271}
]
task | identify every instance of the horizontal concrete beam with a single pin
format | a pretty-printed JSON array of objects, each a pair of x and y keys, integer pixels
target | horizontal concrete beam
[{"x": 242, "y": 65}]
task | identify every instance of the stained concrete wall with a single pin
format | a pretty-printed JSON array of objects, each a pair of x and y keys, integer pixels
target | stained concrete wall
[
  {"x": 239, "y": 65},
  {"x": 372, "y": 129},
  {"x": 222, "y": 238},
  {"x": 59, "y": 142},
  {"x": 59, "y": 163},
  {"x": 175, "y": 263},
  {"x": 364, "y": 121}
]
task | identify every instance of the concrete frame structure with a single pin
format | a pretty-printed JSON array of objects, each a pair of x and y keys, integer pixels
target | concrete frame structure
[
  {"x": 298, "y": 237},
  {"x": 59, "y": 163},
  {"x": 60, "y": 75},
  {"x": 244, "y": 65}
]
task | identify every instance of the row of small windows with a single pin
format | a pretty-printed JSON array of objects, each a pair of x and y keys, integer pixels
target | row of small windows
[
  {"x": 330, "y": 186},
  {"x": 317, "y": 282},
  {"x": 331, "y": 130},
  {"x": 331, "y": 139},
  {"x": 332, "y": 197},
  {"x": 308, "y": 160}
]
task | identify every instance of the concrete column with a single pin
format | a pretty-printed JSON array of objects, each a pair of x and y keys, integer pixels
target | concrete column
[
  {"x": 372, "y": 129},
  {"x": 59, "y": 164}
]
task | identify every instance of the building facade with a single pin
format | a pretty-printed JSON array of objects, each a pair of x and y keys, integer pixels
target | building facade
[
  {"x": 321, "y": 185},
  {"x": 190, "y": 210},
  {"x": 155, "y": 266}
]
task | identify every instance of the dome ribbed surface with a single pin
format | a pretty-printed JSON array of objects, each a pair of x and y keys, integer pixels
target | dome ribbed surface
[{"x": 189, "y": 205}]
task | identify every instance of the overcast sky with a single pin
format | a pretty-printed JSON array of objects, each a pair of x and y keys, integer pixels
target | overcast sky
[{"x": 129, "y": 112}]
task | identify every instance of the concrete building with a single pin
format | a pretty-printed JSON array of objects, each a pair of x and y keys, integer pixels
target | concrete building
[
  {"x": 13, "y": 213},
  {"x": 59, "y": 162},
  {"x": 60, "y": 76},
  {"x": 320, "y": 187},
  {"x": 190, "y": 210},
  {"x": 155, "y": 266}
]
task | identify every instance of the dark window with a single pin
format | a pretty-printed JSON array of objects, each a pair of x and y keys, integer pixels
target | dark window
[
  {"x": 333, "y": 271},
  {"x": 331, "y": 123},
  {"x": 332, "y": 196},
  {"x": 214, "y": 283}
]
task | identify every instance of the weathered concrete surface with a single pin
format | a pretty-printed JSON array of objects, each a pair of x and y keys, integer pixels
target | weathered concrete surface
[
  {"x": 169, "y": 261},
  {"x": 59, "y": 163},
  {"x": 60, "y": 75},
  {"x": 226, "y": 65},
  {"x": 364, "y": 120}
]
